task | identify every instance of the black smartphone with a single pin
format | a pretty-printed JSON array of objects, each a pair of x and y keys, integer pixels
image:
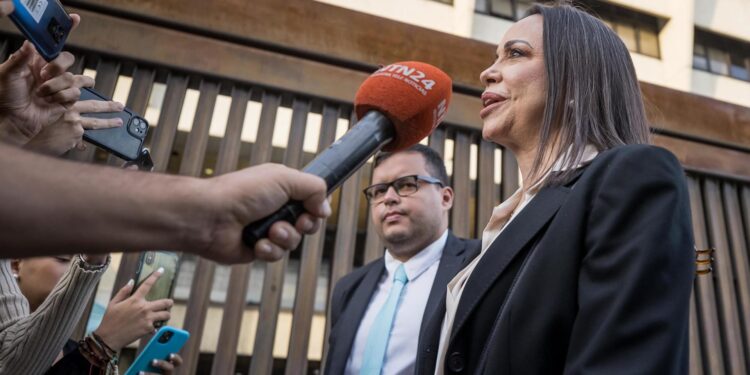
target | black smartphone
[
  {"x": 44, "y": 23},
  {"x": 150, "y": 261},
  {"x": 125, "y": 141}
]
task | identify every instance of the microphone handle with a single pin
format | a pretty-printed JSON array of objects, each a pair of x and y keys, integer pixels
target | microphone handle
[{"x": 335, "y": 164}]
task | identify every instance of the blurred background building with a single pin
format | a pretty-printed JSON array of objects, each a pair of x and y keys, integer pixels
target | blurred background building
[{"x": 230, "y": 83}]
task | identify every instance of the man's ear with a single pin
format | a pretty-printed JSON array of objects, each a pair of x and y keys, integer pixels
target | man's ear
[{"x": 447, "y": 197}]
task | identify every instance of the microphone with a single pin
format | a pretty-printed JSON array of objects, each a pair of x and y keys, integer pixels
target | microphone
[{"x": 398, "y": 105}]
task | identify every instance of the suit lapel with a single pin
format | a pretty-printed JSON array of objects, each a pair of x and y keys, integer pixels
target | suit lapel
[
  {"x": 506, "y": 246},
  {"x": 455, "y": 257},
  {"x": 352, "y": 315},
  {"x": 450, "y": 263}
]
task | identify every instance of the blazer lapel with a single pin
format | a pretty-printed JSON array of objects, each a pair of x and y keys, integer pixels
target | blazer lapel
[
  {"x": 346, "y": 329},
  {"x": 506, "y": 246}
]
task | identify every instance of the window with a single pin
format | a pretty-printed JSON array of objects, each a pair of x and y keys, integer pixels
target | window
[
  {"x": 509, "y": 9},
  {"x": 639, "y": 32},
  {"x": 721, "y": 55}
]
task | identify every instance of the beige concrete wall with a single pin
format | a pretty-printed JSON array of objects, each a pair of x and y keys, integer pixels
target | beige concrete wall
[
  {"x": 729, "y": 17},
  {"x": 424, "y": 13}
]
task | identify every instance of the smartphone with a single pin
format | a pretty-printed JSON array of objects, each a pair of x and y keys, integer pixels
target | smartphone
[
  {"x": 126, "y": 141},
  {"x": 44, "y": 23},
  {"x": 166, "y": 341},
  {"x": 150, "y": 261}
]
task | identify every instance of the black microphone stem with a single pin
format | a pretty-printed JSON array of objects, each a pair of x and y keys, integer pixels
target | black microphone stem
[{"x": 334, "y": 165}]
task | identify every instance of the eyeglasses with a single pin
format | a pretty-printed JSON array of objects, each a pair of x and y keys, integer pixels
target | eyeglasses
[{"x": 403, "y": 186}]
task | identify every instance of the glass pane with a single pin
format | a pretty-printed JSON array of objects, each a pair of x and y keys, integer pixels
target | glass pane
[
  {"x": 522, "y": 6},
  {"x": 627, "y": 34},
  {"x": 481, "y": 6},
  {"x": 700, "y": 62},
  {"x": 740, "y": 72},
  {"x": 501, "y": 8},
  {"x": 649, "y": 42},
  {"x": 738, "y": 69},
  {"x": 718, "y": 59}
]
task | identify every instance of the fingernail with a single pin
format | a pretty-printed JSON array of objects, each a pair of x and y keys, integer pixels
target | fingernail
[
  {"x": 154, "y": 363},
  {"x": 326, "y": 208},
  {"x": 171, "y": 357},
  {"x": 118, "y": 121},
  {"x": 141, "y": 373},
  {"x": 160, "y": 270},
  {"x": 120, "y": 106},
  {"x": 283, "y": 234},
  {"x": 307, "y": 225},
  {"x": 264, "y": 247},
  {"x": 130, "y": 282}
]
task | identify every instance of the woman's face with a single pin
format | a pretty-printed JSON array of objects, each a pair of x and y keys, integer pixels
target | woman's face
[
  {"x": 38, "y": 276},
  {"x": 516, "y": 87}
]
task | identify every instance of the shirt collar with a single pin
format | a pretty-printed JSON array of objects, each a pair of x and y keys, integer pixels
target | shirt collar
[
  {"x": 420, "y": 262},
  {"x": 589, "y": 153}
]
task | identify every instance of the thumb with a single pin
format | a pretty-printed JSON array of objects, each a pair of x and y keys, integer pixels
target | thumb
[
  {"x": 123, "y": 293},
  {"x": 19, "y": 59},
  {"x": 309, "y": 189}
]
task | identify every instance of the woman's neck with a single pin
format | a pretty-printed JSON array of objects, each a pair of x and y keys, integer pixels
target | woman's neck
[{"x": 525, "y": 159}]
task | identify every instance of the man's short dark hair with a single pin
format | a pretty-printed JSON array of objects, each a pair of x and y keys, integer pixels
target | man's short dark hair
[{"x": 433, "y": 161}]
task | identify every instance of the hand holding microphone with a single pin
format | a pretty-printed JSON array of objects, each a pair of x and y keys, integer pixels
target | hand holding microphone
[{"x": 398, "y": 105}]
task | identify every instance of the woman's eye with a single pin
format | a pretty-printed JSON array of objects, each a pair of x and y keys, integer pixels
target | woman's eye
[{"x": 515, "y": 52}]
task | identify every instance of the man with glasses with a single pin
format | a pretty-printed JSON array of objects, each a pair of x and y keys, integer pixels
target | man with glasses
[{"x": 377, "y": 311}]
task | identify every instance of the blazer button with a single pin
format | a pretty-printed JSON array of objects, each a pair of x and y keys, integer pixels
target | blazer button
[{"x": 456, "y": 362}]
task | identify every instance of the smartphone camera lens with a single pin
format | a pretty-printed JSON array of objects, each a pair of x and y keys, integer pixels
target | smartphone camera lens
[
  {"x": 55, "y": 30},
  {"x": 150, "y": 257},
  {"x": 138, "y": 127},
  {"x": 165, "y": 337}
]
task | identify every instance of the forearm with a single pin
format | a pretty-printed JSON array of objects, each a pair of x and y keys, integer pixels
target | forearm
[
  {"x": 31, "y": 344},
  {"x": 52, "y": 206}
]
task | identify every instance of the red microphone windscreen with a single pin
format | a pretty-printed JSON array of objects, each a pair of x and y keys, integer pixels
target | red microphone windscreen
[{"x": 413, "y": 95}]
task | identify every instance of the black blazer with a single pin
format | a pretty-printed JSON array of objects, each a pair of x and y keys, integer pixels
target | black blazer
[
  {"x": 352, "y": 294},
  {"x": 597, "y": 274}
]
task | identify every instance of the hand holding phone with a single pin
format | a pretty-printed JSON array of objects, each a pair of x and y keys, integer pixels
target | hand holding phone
[
  {"x": 124, "y": 141},
  {"x": 66, "y": 133},
  {"x": 166, "y": 341},
  {"x": 130, "y": 317},
  {"x": 148, "y": 263}
]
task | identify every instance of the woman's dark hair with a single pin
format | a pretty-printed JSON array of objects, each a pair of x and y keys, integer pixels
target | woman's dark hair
[{"x": 593, "y": 96}]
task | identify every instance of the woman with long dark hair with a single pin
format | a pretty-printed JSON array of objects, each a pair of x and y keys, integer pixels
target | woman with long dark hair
[{"x": 588, "y": 267}]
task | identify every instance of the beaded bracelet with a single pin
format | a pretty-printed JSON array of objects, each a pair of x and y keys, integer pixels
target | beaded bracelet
[{"x": 99, "y": 354}]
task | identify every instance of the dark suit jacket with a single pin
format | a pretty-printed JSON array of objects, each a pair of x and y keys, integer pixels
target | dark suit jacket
[
  {"x": 597, "y": 274},
  {"x": 353, "y": 292}
]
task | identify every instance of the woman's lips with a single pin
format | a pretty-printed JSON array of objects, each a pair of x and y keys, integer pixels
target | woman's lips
[{"x": 491, "y": 101}]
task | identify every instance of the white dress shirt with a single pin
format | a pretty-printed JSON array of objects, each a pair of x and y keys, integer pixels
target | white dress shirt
[
  {"x": 455, "y": 287},
  {"x": 400, "y": 356}
]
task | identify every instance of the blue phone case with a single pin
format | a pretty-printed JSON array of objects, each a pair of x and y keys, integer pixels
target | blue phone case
[
  {"x": 44, "y": 23},
  {"x": 159, "y": 348}
]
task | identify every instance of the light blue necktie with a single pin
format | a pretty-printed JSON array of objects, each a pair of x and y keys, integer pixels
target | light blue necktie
[{"x": 377, "y": 340}]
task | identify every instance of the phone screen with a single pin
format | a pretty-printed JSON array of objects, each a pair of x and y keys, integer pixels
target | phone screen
[{"x": 149, "y": 262}]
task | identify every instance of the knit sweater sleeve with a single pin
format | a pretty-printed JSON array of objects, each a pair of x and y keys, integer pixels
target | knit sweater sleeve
[{"x": 29, "y": 343}]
